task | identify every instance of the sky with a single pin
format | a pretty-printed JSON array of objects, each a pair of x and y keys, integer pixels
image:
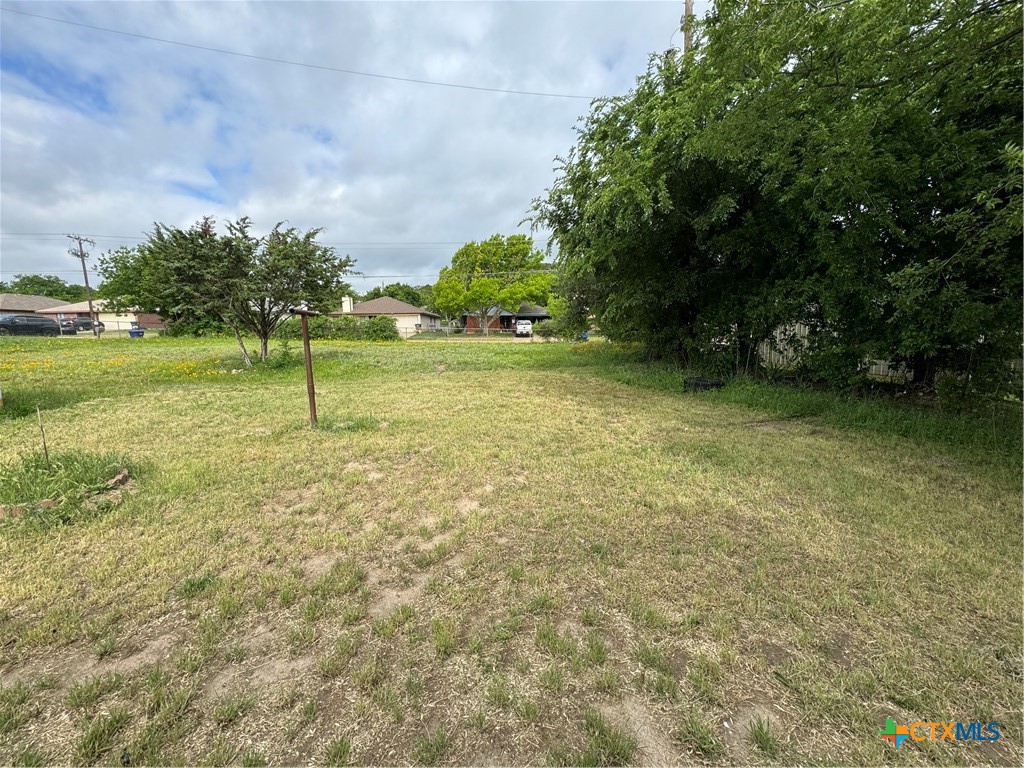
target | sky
[{"x": 105, "y": 133}]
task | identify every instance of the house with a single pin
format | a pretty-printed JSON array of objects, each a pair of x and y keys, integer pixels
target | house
[
  {"x": 114, "y": 321},
  {"x": 26, "y": 303},
  {"x": 504, "y": 320},
  {"x": 410, "y": 319}
]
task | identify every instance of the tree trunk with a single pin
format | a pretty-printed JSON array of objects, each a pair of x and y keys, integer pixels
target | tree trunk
[
  {"x": 483, "y": 323},
  {"x": 241, "y": 345},
  {"x": 264, "y": 343},
  {"x": 924, "y": 371}
]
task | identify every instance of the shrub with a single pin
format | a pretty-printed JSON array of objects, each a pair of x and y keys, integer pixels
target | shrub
[
  {"x": 343, "y": 328},
  {"x": 545, "y": 329},
  {"x": 380, "y": 329}
]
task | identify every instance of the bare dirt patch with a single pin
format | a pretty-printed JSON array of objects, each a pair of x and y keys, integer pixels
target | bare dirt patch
[
  {"x": 371, "y": 472},
  {"x": 318, "y": 566},
  {"x": 388, "y": 594},
  {"x": 292, "y": 499},
  {"x": 840, "y": 650},
  {"x": 735, "y": 729},
  {"x": 774, "y": 654},
  {"x": 466, "y": 505},
  {"x": 654, "y": 744},
  {"x": 259, "y": 673},
  {"x": 71, "y": 665}
]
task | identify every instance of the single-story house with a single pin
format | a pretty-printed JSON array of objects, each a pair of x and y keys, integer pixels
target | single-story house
[
  {"x": 26, "y": 303},
  {"x": 114, "y": 321},
  {"x": 504, "y": 320},
  {"x": 410, "y": 319}
]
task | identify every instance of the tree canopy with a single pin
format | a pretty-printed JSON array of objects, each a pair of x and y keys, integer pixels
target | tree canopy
[
  {"x": 853, "y": 167},
  {"x": 484, "y": 277},
  {"x": 45, "y": 285},
  {"x": 399, "y": 291},
  {"x": 247, "y": 282}
]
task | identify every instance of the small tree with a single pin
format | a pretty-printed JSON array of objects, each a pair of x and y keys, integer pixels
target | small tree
[
  {"x": 485, "y": 277},
  {"x": 248, "y": 282}
]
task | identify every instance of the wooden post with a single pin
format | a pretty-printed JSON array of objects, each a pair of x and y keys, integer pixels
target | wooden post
[{"x": 309, "y": 371}]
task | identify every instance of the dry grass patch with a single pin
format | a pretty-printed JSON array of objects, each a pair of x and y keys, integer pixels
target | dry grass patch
[{"x": 590, "y": 572}]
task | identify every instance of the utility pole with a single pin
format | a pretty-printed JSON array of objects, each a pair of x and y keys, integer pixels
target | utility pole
[
  {"x": 687, "y": 34},
  {"x": 80, "y": 254}
]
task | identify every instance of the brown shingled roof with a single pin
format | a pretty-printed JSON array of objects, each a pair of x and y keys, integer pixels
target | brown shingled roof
[
  {"x": 386, "y": 305},
  {"x": 26, "y": 302}
]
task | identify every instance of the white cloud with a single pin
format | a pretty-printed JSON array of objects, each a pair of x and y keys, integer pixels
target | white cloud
[{"x": 106, "y": 134}]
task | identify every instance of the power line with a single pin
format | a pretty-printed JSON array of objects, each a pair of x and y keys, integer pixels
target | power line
[
  {"x": 300, "y": 63},
  {"x": 347, "y": 277},
  {"x": 45, "y": 236}
]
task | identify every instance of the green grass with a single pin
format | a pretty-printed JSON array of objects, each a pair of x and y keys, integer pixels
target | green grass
[
  {"x": 699, "y": 736},
  {"x": 99, "y": 735},
  {"x": 446, "y": 636},
  {"x": 86, "y": 694},
  {"x": 598, "y": 538},
  {"x": 607, "y": 745},
  {"x": 429, "y": 750},
  {"x": 764, "y": 738},
  {"x": 232, "y": 708},
  {"x": 339, "y": 752},
  {"x": 31, "y": 757},
  {"x": 13, "y": 707},
  {"x": 194, "y": 586}
]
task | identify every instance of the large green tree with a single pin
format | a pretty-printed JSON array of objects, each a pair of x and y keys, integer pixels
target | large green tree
[
  {"x": 851, "y": 166},
  {"x": 488, "y": 276},
  {"x": 45, "y": 285},
  {"x": 247, "y": 282}
]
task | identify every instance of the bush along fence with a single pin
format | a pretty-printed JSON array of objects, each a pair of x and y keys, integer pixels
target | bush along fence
[{"x": 342, "y": 328}]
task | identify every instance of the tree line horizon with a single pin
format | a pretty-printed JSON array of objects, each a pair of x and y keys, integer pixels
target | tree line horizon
[{"x": 853, "y": 170}]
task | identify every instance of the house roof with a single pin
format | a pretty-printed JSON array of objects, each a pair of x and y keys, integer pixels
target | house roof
[
  {"x": 26, "y": 302},
  {"x": 532, "y": 310},
  {"x": 386, "y": 305},
  {"x": 98, "y": 305}
]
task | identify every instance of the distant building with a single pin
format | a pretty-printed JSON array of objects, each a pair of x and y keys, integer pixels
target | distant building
[
  {"x": 410, "y": 319},
  {"x": 504, "y": 320},
  {"x": 25, "y": 303},
  {"x": 112, "y": 320}
]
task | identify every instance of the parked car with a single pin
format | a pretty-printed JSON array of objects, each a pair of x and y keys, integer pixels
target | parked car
[
  {"x": 524, "y": 328},
  {"x": 71, "y": 324},
  {"x": 28, "y": 325}
]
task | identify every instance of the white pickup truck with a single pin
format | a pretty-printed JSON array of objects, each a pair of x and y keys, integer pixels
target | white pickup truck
[{"x": 524, "y": 328}]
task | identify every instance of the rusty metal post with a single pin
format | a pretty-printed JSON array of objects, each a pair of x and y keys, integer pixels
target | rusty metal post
[{"x": 310, "y": 390}]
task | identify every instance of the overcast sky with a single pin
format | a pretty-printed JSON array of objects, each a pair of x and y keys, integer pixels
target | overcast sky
[{"x": 105, "y": 133}]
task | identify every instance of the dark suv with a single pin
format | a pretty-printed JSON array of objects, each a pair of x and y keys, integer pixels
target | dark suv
[{"x": 28, "y": 325}]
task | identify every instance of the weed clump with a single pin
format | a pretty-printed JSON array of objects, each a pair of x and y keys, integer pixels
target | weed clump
[{"x": 40, "y": 492}]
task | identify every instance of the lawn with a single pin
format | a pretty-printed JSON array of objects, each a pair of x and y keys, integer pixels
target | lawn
[{"x": 495, "y": 554}]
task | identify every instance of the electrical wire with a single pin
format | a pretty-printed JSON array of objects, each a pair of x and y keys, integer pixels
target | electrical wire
[{"x": 300, "y": 63}]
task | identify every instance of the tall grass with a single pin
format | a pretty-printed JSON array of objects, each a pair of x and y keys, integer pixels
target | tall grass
[
  {"x": 992, "y": 429},
  {"x": 37, "y": 493}
]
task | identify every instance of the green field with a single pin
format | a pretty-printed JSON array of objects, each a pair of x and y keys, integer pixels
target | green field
[{"x": 493, "y": 554}]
